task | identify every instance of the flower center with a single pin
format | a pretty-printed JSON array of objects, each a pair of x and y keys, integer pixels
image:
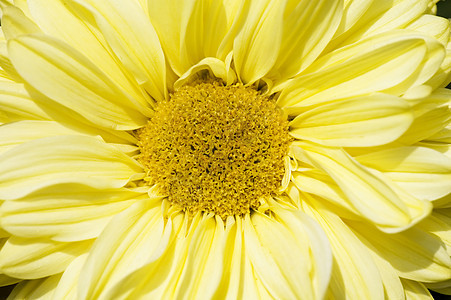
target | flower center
[{"x": 215, "y": 148}]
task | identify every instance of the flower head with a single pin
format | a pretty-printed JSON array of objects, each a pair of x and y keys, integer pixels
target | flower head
[{"x": 203, "y": 149}]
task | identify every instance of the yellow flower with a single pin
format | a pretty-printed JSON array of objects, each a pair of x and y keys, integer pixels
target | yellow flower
[{"x": 204, "y": 149}]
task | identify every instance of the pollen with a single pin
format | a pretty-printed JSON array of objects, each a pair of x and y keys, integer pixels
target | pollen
[{"x": 215, "y": 148}]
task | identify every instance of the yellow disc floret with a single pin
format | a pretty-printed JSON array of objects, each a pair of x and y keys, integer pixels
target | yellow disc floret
[{"x": 215, "y": 148}]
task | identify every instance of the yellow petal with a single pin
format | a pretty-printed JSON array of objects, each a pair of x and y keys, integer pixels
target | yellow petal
[
  {"x": 359, "y": 122},
  {"x": 368, "y": 192},
  {"x": 130, "y": 240},
  {"x": 15, "y": 23},
  {"x": 414, "y": 253},
  {"x": 257, "y": 45},
  {"x": 131, "y": 36},
  {"x": 39, "y": 289},
  {"x": 89, "y": 41},
  {"x": 393, "y": 61},
  {"x": 308, "y": 27},
  {"x": 69, "y": 78},
  {"x": 416, "y": 290},
  {"x": 288, "y": 264},
  {"x": 63, "y": 159},
  {"x": 36, "y": 258},
  {"x": 354, "y": 273},
  {"x": 67, "y": 286},
  {"x": 66, "y": 212}
]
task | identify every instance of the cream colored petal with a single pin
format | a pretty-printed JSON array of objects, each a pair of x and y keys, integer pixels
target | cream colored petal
[
  {"x": 65, "y": 213},
  {"x": 131, "y": 36},
  {"x": 214, "y": 66},
  {"x": 359, "y": 122},
  {"x": 39, "y": 289},
  {"x": 443, "y": 287},
  {"x": 439, "y": 223},
  {"x": 130, "y": 240},
  {"x": 89, "y": 41},
  {"x": 379, "y": 16},
  {"x": 35, "y": 258},
  {"x": 423, "y": 172},
  {"x": 437, "y": 27},
  {"x": 354, "y": 273},
  {"x": 16, "y": 103},
  {"x": 63, "y": 159},
  {"x": 368, "y": 192},
  {"x": 393, "y": 288},
  {"x": 257, "y": 45},
  {"x": 353, "y": 10},
  {"x": 308, "y": 26},
  {"x": 415, "y": 254},
  {"x": 16, "y": 133},
  {"x": 15, "y": 23},
  {"x": 287, "y": 263},
  {"x": 431, "y": 115},
  {"x": 393, "y": 62},
  {"x": 69, "y": 78},
  {"x": 416, "y": 290},
  {"x": 67, "y": 286}
]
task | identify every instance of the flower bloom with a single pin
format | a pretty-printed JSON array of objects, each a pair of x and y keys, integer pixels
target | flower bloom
[{"x": 225, "y": 149}]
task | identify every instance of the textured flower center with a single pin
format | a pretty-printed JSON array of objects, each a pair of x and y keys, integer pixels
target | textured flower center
[{"x": 216, "y": 148}]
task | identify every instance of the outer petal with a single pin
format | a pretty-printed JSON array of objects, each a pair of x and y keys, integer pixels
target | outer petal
[
  {"x": 423, "y": 172},
  {"x": 416, "y": 290},
  {"x": 88, "y": 40},
  {"x": 393, "y": 62},
  {"x": 66, "y": 76},
  {"x": 414, "y": 253},
  {"x": 66, "y": 212},
  {"x": 354, "y": 273},
  {"x": 308, "y": 27},
  {"x": 359, "y": 122},
  {"x": 67, "y": 286},
  {"x": 36, "y": 258},
  {"x": 39, "y": 289},
  {"x": 124, "y": 24},
  {"x": 257, "y": 45},
  {"x": 63, "y": 159},
  {"x": 368, "y": 192}
]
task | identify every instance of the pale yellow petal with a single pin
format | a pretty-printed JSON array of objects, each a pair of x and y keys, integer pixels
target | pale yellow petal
[
  {"x": 39, "y": 289},
  {"x": 67, "y": 286},
  {"x": 354, "y": 273},
  {"x": 88, "y": 41},
  {"x": 393, "y": 62},
  {"x": 63, "y": 159},
  {"x": 15, "y": 23},
  {"x": 308, "y": 26},
  {"x": 65, "y": 213},
  {"x": 69, "y": 78},
  {"x": 437, "y": 27},
  {"x": 360, "y": 122},
  {"x": 131, "y": 36},
  {"x": 415, "y": 254},
  {"x": 257, "y": 45},
  {"x": 131, "y": 240},
  {"x": 35, "y": 258},
  {"x": 416, "y": 290},
  {"x": 368, "y": 192}
]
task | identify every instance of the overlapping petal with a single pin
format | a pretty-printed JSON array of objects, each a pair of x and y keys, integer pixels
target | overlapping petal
[{"x": 63, "y": 159}]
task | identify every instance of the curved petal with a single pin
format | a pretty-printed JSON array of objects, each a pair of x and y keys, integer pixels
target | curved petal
[
  {"x": 392, "y": 62},
  {"x": 414, "y": 253},
  {"x": 130, "y": 240},
  {"x": 65, "y": 213},
  {"x": 67, "y": 286},
  {"x": 88, "y": 40},
  {"x": 416, "y": 290},
  {"x": 39, "y": 289},
  {"x": 354, "y": 273},
  {"x": 124, "y": 24},
  {"x": 288, "y": 264},
  {"x": 308, "y": 26},
  {"x": 69, "y": 78},
  {"x": 374, "y": 198},
  {"x": 423, "y": 172},
  {"x": 36, "y": 258},
  {"x": 257, "y": 44},
  {"x": 359, "y": 122},
  {"x": 63, "y": 159}
]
